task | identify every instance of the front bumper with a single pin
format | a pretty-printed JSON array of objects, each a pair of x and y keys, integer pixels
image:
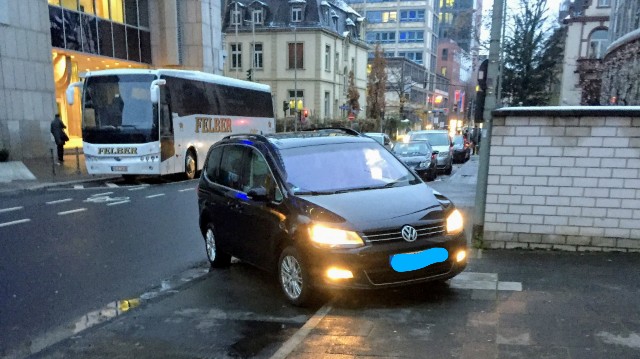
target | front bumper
[{"x": 371, "y": 264}]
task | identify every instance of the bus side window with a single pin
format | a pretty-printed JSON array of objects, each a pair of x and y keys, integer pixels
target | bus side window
[{"x": 166, "y": 125}]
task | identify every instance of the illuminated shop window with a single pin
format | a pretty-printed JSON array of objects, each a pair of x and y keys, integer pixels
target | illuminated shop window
[
  {"x": 117, "y": 10},
  {"x": 86, "y": 6}
]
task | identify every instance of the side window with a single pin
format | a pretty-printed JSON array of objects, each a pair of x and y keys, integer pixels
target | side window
[
  {"x": 231, "y": 167},
  {"x": 212, "y": 166},
  {"x": 258, "y": 175}
]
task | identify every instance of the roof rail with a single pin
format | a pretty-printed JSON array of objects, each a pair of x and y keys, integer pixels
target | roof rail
[
  {"x": 246, "y": 136},
  {"x": 345, "y": 130}
]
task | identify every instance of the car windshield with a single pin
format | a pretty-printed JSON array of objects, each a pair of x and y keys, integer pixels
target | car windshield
[
  {"x": 434, "y": 138},
  {"x": 331, "y": 168},
  {"x": 412, "y": 149}
]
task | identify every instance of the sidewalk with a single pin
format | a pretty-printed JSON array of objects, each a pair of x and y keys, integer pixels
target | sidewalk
[{"x": 37, "y": 173}]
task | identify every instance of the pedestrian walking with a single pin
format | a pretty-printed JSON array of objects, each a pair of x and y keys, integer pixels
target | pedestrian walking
[{"x": 59, "y": 136}]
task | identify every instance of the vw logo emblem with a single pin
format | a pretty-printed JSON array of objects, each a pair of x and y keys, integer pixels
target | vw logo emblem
[{"x": 409, "y": 233}]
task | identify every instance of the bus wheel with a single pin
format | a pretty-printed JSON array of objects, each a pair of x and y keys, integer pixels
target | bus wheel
[{"x": 190, "y": 165}]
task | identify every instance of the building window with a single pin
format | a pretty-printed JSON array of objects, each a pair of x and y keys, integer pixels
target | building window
[
  {"x": 412, "y": 16},
  {"x": 411, "y": 36},
  {"x": 296, "y": 14},
  {"x": 445, "y": 54},
  {"x": 327, "y": 58},
  {"x": 443, "y": 71},
  {"x": 236, "y": 56},
  {"x": 381, "y": 37},
  {"x": 296, "y": 95},
  {"x": 236, "y": 17},
  {"x": 598, "y": 43},
  {"x": 258, "y": 18},
  {"x": 413, "y": 56},
  {"x": 604, "y": 3},
  {"x": 296, "y": 55},
  {"x": 257, "y": 56},
  {"x": 116, "y": 10},
  {"x": 327, "y": 102}
]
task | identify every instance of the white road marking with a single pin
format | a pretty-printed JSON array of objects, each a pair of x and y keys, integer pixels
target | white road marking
[
  {"x": 71, "y": 211},
  {"x": 186, "y": 189},
  {"x": 78, "y": 186},
  {"x": 293, "y": 342},
  {"x": 10, "y": 209},
  {"x": 155, "y": 195},
  {"x": 14, "y": 222},
  {"x": 138, "y": 188},
  {"x": 119, "y": 202},
  {"x": 101, "y": 194},
  {"x": 60, "y": 201},
  {"x": 112, "y": 185}
]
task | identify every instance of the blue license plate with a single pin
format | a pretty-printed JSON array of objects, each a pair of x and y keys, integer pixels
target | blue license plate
[{"x": 406, "y": 262}]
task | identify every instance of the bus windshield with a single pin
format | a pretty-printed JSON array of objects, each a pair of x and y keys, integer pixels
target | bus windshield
[{"x": 118, "y": 109}]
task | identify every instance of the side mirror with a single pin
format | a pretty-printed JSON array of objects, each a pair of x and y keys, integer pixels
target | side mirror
[
  {"x": 155, "y": 90},
  {"x": 71, "y": 92},
  {"x": 435, "y": 153},
  {"x": 258, "y": 194}
]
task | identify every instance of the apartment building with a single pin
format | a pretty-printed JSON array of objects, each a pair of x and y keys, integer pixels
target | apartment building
[{"x": 304, "y": 49}]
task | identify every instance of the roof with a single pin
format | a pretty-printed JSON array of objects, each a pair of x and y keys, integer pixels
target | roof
[
  {"x": 285, "y": 140},
  {"x": 185, "y": 74}
]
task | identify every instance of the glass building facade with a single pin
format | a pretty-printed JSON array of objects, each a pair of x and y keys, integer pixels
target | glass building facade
[{"x": 111, "y": 28}]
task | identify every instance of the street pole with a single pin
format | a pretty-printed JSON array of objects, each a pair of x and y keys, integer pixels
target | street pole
[
  {"x": 490, "y": 105},
  {"x": 236, "y": 20},
  {"x": 295, "y": 78},
  {"x": 253, "y": 48}
]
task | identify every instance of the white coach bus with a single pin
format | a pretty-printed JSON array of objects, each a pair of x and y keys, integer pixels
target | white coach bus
[{"x": 158, "y": 122}]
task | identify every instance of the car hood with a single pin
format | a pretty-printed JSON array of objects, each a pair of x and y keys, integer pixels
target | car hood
[
  {"x": 414, "y": 159},
  {"x": 388, "y": 207}
]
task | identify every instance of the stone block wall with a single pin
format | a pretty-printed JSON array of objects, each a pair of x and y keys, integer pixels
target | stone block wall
[{"x": 564, "y": 178}]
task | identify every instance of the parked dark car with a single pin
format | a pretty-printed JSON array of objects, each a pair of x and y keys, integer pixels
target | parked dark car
[
  {"x": 441, "y": 142},
  {"x": 419, "y": 156},
  {"x": 325, "y": 208},
  {"x": 461, "y": 149}
]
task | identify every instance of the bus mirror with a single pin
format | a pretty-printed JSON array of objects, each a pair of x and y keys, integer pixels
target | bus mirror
[
  {"x": 155, "y": 90},
  {"x": 71, "y": 92}
]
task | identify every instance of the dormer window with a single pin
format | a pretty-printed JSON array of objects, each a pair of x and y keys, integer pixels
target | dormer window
[
  {"x": 296, "y": 14},
  {"x": 258, "y": 16},
  {"x": 236, "y": 17}
]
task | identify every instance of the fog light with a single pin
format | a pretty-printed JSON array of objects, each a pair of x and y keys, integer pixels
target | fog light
[
  {"x": 461, "y": 256},
  {"x": 337, "y": 273}
]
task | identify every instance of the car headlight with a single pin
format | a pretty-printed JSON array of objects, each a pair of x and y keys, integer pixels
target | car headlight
[
  {"x": 454, "y": 222},
  {"x": 334, "y": 238},
  {"x": 423, "y": 164}
]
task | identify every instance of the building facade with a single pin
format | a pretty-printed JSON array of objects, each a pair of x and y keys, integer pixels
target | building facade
[
  {"x": 304, "y": 49},
  {"x": 460, "y": 22},
  {"x": 455, "y": 64},
  {"x": 621, "y": 69},
  {"x": 587, "y": 39},
  {"x": 406, "y": 29},
  {"x": 45, "y": 46}
]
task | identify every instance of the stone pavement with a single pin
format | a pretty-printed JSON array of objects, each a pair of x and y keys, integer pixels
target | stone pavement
[
  {"x": 509, "y": 304},
  {"x": 37, "y": 173}
]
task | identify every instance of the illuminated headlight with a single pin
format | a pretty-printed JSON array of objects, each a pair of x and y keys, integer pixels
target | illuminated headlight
[
  {"x": 424, "y": 164},
  {"x": 454, "y": 222},
  {"x": 334, "y": 238},
  {"x": 339, "y": 273}
]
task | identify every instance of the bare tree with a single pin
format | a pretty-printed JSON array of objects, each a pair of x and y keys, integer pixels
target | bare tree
[
  {"x": 353, "y": 95},
  {"x": 377, "y": 87}
]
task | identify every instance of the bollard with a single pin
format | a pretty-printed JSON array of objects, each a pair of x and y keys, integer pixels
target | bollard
[
  {"x": 77, "y": 161},
  {"x": 53, "y": 163}
]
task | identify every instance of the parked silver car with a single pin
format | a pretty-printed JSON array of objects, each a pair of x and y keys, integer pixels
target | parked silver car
[
  {"x": 441, "y": 142},
  {"x": 382, "y": 138}
]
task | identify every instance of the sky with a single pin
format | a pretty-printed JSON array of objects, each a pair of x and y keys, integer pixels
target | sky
[{"x": 552, "y": 12}]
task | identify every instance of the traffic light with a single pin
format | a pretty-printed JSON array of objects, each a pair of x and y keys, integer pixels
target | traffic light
[
  {"x": 285, "y": 106},
  {"x": 250, "y": 75},
  {"x": 305, "y": 113}
]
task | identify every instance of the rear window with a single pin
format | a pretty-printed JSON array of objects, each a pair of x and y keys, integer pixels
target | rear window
[{"x": 434, "y": 138}]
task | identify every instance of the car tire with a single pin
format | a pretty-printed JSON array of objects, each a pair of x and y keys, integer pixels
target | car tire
[
  {"x": 190, "y": 165},
  {"x": 217, "y": 258},
  {"x": 293, "y": 277},
  {"x": 448, "y": 170}
]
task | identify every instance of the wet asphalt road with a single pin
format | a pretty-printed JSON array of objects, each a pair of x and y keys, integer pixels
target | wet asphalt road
[{"x": 75, "y": 250}]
